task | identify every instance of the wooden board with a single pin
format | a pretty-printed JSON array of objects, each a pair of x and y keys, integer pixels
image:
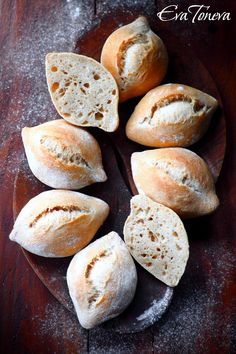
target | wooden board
[{"x": 152, "y": 297}]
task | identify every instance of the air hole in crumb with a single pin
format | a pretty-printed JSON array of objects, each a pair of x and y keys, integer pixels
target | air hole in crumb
[
  {"x": 158, "y": 249},
  {"x": 96, "y": 77},
  {"x": 113, "y": 92},
  {"x": 61, "y": 92},
  {"x": 150, "y": 218},
  {"x": 54, "y": 86},
  {"x": 175, "y": 234},
  {"x": 83, "y": 90},
  {"x": 149, "y": 264},
  {"x": 163, "y": 273},
  {"x": 67, "y": 83},
  {"x": 178, "y": 247},
  {"x": 85, "y": 122},
  {"x": 101, "y": 109},
  {"x": 141, "y": 235},
  {"x": 109, "y": 101},
  {"x": 165, "y": 266},
  {"x": 75, "y": 83},
  {"x": 162, "y": 256},
  {"x": 86, "y": 84},
  {"x": 98, "y": 116},
  {"x": 143, "y": 255},
  {"x": 151, "y": 236},
  {"x": 54, "y": 68},
  {"x": 154, "y": 257},
  {"x": 80, "y": 114},
  {"x": 64, "y": 72}
]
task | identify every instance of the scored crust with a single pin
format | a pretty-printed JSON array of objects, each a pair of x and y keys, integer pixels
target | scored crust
[
  {"x": 62, "y": 155},
  {"x": 177, "y": 178},
  {"x": 136, "y": 57},
  {"x": 58, "y": 223},
  {"x": 157, "y": 240},
  {"x": 171, "y": 115},
  {"x": 102, "y": 280},
  {"x": 82, "y": 90}
]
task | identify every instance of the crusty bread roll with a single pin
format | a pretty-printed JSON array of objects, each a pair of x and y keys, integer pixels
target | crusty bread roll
[
  {"x": 177, "y": 178},
  {"x": 102, "y": 280},
  {"x": 136, "y": 57},
  {"x": 157, "y": 239},
  {"x": 62, "y": 155},
  {"x": 58, "y": 223},
  {"x": 171, "y": 115},
  {"x": 82, "y": 90}
]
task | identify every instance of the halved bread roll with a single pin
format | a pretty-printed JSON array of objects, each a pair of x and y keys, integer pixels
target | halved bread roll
[
  {"x": 62, "y": 155},
  {"x": 58, "y": 223},
  {"x": 136, "y": 57},
  {"x": 82, "y": 90},
  {"x": 102, "y": 280},
  {"x": 157, "y": 239},
  {"x": 177, "y": 178},
  {"x": 171, "y": 115}
]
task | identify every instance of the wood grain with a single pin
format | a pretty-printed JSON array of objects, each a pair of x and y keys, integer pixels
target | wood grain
[{"x": 31, "y": 320}]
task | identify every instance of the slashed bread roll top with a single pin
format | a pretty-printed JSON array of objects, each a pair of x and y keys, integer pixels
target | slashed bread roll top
[
  {"x": 177, "y": 178},
  {"x": 62, "y": 155},
  {"x": 171, "y": 115},
  {"x": 102, "y": 280},
  {"x": 83, "y": 92},
  {"x": 136, "y": 57},
  {"x": 156, "y": 238},
  {"x": 58, "y": 223}
]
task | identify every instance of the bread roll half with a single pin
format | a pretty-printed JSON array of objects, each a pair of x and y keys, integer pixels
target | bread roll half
[
  {"x": 171, "y": 115},
  {"x": 62, "y": 155},
  {"x": 82, "y": 90},
  {"x": 58, "y": 223},
  {"x": 102, "y": 280},
  {"x": 157, "y": 239},
  {"x": 177, "y": 178},
  {"x": 136, "y": 57}
]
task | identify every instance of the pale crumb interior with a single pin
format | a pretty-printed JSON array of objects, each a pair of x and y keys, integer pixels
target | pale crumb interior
[{"x": 82, "y": 91}]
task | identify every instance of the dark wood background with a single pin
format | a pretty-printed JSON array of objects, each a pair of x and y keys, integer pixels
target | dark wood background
[{"x": 31, "y": 320}]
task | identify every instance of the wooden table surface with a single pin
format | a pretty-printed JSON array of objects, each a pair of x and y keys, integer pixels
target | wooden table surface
[{"x": 31, "y": 320}]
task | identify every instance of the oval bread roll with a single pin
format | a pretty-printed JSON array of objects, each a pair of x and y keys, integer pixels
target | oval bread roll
[
  {"x": 102, "y": 280},
  {"x": 62, "y": 155},
  {"x": 58, "y": 223},
  {"x": 177, "y": 178},
  {"x": 136, "y": 57},
  {"x": 171, "y": 115},
  {"x": 157, "y": 239},
  {"x": 82, "y": 90}
]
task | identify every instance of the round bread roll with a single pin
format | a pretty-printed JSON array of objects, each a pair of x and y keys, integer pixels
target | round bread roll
[
  {"x": 157, "y": 239},
  {"x": 177, "y": 178},
  {"x": 136, "y": 57},
  {"x": 62, "y": 155},
  {"x": 58, "y": 223},
  {"x": 102, "y": 280},
  {"x": 171, "y": 115},
  {"x": 82, "y": 90}
]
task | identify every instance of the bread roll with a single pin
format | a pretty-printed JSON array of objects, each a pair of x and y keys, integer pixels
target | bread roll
[
  {"x": 62, "y": 155},
  {"x": 82, "y": 90},
  {"x": 58, "y": 223},
  {"x": 157, "y": 239},
  {"x": 102, "y": 280},
  {"x": 136, "y": 57},
  {"x": 177, "y": 178},
  {"x": 171, "y": 115}
]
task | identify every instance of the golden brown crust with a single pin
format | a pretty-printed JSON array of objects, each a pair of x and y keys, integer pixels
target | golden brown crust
[
  {"x": 136, "y": 57},
  {"x": 171, "y": 115},
  {"x": 62, "y": 155},
  {"x": 177, "y": 178},
  {"x": 98, "y": 281},
  {"x": 58, "y": 223}
]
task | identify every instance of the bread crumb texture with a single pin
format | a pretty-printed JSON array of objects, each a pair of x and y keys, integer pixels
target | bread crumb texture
[
  {"x": 82, "y": 90},
  {"x": 156, "y": 238}
]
